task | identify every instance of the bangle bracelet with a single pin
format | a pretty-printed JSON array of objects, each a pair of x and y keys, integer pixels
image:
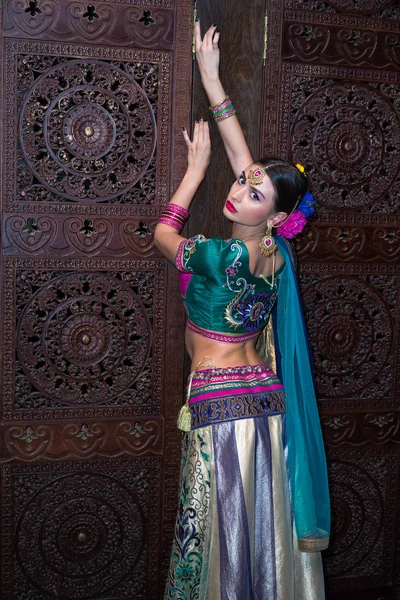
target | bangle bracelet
[
  {"x": 222, "y": 108},
  {"x": 174, "y": 215},
  {"x": 219, "y": 103},
  {"x": 225, "y": 116}
]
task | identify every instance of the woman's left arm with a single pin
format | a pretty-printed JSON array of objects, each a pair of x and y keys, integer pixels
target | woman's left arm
[{"x": 166, "y": 237}]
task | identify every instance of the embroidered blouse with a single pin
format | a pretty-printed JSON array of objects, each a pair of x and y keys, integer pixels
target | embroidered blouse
[{"x": 224, "y": 301}]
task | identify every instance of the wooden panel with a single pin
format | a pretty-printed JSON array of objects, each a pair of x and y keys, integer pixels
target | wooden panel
[
  {"x": 92, "y": 329},
  {"x": 241, "y": 73},
  {"x": 331, "y": 103}
]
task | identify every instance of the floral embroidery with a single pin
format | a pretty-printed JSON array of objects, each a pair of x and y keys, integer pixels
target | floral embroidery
[
  {"x": 254, "y": 311},
  {"x": 231, "y": 270},
  {"x": 189, "y": 248},
  {"x": 191, "y": 537},
  {"x": 246, "y": 309}
]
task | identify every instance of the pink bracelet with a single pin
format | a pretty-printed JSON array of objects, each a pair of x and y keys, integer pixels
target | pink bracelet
[{"x": 175, "y": 216}]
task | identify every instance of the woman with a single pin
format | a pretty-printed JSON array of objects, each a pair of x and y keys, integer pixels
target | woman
[{"x": 253, "y": 506}]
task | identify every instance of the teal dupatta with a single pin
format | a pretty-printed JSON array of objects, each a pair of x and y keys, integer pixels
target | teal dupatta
[{"x": 306, "y": 454}]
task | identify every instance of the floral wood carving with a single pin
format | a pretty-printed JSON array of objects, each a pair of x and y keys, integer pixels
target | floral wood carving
[
  {"x": 348, "y": 136},
  {"x": 88, "y": 24},
  {"x": 25, "y": 193},
  {"x": 112, "y": 23},
  {"x": 79, "y": 236},
  {"x": 87, "y": 132},
  {"x": 361, "y": 495},
  {"x": 42, "y": 16},
  {"x": 148, "y": 29},
  {"x": 324, "y": 44},
  {"x": 84, "y": 529},
  {"x": 345, "y": 242},
  {"x": 351, "y": 332},
  {"x": 88, "y": 440},
  {"x": 84, "y": 338}
]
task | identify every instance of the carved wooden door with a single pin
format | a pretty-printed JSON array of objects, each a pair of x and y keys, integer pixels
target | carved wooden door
[
  {"x": 330, "y": 100},
  {"x": 92, "y": 97},
  {"x": 332, "y": 103}
]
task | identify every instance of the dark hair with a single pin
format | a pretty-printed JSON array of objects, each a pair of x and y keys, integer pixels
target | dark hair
[{"x": 289, "y": 183}]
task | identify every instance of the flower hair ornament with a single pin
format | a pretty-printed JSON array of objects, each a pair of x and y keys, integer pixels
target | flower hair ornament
[
  {"x": 294, "y": 223},
  {"x": 297, "y": 220}
]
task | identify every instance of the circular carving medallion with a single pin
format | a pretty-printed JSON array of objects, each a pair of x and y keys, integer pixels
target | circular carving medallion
[
  {"x": 350, "y": 135},
  {"x": 357, "y": 512},
  {"x": 84, "y": 338},
  {"x": 350, "y": 329},
  {"x": 87, "y": 130},
  {"x": 84, "y": 531}
]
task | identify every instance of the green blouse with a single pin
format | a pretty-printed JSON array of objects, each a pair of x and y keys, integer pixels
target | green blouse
[{"x": 224, "y": 301}]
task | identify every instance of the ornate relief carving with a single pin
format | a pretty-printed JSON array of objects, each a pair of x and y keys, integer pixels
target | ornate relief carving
[
  {"x": 87, "y": 130},
  {"x": 98, "y": 439},
  {"x": 361, "y": 496},
  {"x": 78, "y": 235},
  {"x": 338, "y": 429},
  {"x": 139, "y": 437},
  {"x": 351, "y": 332},
  {"x": 83, "y": 529},
  {"x": 30, "y": 235},
  {"x": 358, "y": 7},
  {"x": 305, "y": 41},
  {"x": 93, "y": 25},
  {"x": 34, "y": 21},
  {"x": 87, "y": 236},
  {"x": 387, "y": 240},
  {"x": 361, "y": 428},
  {"x": 29, "y": 442},
  {"x": 348, "y": 136},
  {"x": 149, "y": 29},
  {"x": 327, "y": 44},
  {"x": 344, "y": 242},
  {"x": 85, "y": 338},
  {"x": 109, "y": 22},
  {"x": 138, "y": 236}
]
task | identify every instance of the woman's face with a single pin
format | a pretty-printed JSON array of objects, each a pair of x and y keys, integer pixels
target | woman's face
[{"x": 249, "y": 203}]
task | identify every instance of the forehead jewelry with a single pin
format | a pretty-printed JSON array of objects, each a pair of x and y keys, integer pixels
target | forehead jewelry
[{"x": 255, "y": 176}]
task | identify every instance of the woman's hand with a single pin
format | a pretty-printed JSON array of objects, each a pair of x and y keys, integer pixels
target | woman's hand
[
  {"x": 199, "y": 150},
  {"x": 207, "y": 52}
]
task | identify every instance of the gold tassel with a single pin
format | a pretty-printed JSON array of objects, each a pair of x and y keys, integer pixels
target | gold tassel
[{"x": 184, "y": 421}]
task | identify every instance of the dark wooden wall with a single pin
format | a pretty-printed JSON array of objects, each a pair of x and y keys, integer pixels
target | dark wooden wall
[
  {"x": 329, "y": 99},
  {"x": 89, "y": 448},
  {"x": 93, "y": 95}
]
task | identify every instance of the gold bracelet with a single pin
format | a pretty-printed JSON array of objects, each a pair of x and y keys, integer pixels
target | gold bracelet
[{"x": 219, "y": 103}]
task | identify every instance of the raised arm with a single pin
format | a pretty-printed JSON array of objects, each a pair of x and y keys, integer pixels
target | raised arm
[
  {"x": 207, "y": 54},
  {"x": 167, "y": 237}
]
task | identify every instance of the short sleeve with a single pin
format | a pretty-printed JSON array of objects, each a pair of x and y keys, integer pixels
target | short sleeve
[{"x": 199, "y": 255}]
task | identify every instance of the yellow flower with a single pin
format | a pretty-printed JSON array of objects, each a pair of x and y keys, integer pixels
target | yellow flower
[{"x": 300, "y": 167}]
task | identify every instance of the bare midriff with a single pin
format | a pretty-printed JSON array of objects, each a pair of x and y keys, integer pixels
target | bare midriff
[{"x": 223, "y": 354}]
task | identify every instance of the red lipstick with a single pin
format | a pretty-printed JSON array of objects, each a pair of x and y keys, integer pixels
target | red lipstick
[{"x": 230, "y": 206}]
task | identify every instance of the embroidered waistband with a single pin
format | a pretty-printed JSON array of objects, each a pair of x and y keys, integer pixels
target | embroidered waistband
[
  {"x": 223, "y": 394},
  {"x": 218, "y": 336}
]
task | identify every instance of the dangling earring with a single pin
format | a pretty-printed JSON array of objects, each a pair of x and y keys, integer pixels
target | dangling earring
[{"x": 268, "y": 245}]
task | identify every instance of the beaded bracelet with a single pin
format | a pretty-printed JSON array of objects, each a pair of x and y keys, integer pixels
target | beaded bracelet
[{"x": 174, "y": 215}]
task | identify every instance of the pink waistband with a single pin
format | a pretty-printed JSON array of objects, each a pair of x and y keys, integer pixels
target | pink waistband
[{"x": 218, "y": 336}]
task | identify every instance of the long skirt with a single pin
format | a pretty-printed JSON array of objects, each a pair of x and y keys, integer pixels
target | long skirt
[{"x": 234, "y": 536}]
